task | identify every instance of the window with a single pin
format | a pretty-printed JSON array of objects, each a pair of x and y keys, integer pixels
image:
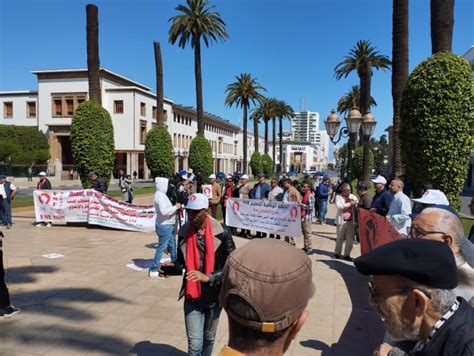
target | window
[
  {"x": 64, "y": 105},
  {"x": 70, "y": 106},
  {"x": 153, "y": 112},
  {"x": 8, "y": 110},
  {"x": 142, "y": 132},
  {"x": 118, "y": 106},
  {"x": 142, "y": 109},
  {"x": 31, "y": 109}
]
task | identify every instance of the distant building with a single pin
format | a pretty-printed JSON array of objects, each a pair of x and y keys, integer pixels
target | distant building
[{"x": 305, "y": 125}]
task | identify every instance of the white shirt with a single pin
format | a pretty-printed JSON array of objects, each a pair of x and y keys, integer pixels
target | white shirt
[
  {"x": 399, "y": 213},
  {"x": 2, "y": 190},
  {"x": 273, "y": 194}
]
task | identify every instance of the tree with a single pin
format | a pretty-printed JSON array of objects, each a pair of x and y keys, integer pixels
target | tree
[
  {"x": 195, "y": 22},
  {"x": 442, "y": 23},
  {"x": 256, "y": 135},
  {"x": 267, "y": 165},
  {"x": 93, "y": 62},
  {"x": 341, "y": 159},
  {"x": 7, "y": 149},
  {"x": 265, "y": 112},
  {"x": 159, "y": 152},
  {"x": 362, "y": 58},
  {"x": 351, "y": 99},
  {"x": 200, "y": 156},
  {"x": 357, "y": 163},
  {"x": 92, "y": 142},
  {"x": 160, "y": 111},
  {"x": 23, "y": 144},
  {"x": 282, "y": 111},
  {"x": 241, "y": 93},
  {"x": 399, "y": 73},
  {"x": 380, "y": 149},
  {"x": 435, "y": 129},
  {"x": 256, "y": 163}
]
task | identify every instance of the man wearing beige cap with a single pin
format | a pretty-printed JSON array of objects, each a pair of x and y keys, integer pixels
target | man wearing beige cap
[{"x": 264, "y": 311}]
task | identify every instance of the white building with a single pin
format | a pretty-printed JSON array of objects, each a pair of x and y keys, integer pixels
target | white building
[
  {"x": 305, "y": 125},
  {"x": 300, "y": 157}
]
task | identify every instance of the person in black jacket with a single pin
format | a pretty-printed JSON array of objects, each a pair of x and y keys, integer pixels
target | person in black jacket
[
  {"x": 382, "y": 198},
  {"x": 204, "y": 245},
  {"x": 96, "y": 183}
]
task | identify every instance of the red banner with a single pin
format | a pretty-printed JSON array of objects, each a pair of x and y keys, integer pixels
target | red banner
[{"x": 375, "y": 231}]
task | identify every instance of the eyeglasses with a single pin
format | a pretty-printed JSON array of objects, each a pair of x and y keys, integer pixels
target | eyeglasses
[
  {"x": 418, "y": 233},
  {"x": 377, "y": 295}
]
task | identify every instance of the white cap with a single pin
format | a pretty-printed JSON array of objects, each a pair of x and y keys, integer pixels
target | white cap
[
  {"x": 212, "y": 176},
  {"x": 197, "y": 201},
  {"x": 229, "y": 176},
  {"x": 184, "y": 177},
  {"x": 380, "y": 180},
  {"x": 244, "y": 177},
  {"x": 433, "y": 197},
  {"x": 42, "y": 174}
]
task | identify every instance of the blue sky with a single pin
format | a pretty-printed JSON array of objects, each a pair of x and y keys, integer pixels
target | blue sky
[{"x": 291, "y": 46}]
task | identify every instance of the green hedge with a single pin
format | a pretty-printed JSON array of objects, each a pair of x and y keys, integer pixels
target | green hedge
[
  {"x": 92, "y": 142},
  {"x": 436, "y": 122},
  {"x": 200, "y": 156},
  {"x": 267, "y": 165},
  {"x": 256, "y": 163},
  {"x": 159, "y": 152},
  {"x": 23, "y": 144},
  {"x": 358, "y": 162}
]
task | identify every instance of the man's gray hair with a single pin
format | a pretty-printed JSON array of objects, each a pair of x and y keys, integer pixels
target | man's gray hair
[
  {"x": 448, "y": 223},
  {"x": 441, "y": 299}
]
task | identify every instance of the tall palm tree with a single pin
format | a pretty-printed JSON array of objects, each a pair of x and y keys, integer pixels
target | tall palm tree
[
  {"x": 195, "y": 22},
  {"x": 256, "y": 121},
  {"x": 264, "y": 112},
  {"x": 351, "y": 99},
  {"x": 442, "y": 22},
  {"x": 93, "y": 62},
  {"x": 282, "y": 111},
  {"x": 362, "y": 58},
  {"x": 160, "y": 115},
  {"x": 241, "y": 93},
  {"x": 399, "y": 74}
]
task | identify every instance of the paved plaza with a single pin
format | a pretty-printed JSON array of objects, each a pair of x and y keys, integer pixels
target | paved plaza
[{"x": 89, "y": 302}]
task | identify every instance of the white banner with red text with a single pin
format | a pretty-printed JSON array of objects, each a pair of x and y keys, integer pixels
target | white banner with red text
[
  {"x": 262, "y": 215},
  {"x": 95, "y": 208}
]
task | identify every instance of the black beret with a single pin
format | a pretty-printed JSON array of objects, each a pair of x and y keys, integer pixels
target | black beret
[{"x": 430, "y": 263}]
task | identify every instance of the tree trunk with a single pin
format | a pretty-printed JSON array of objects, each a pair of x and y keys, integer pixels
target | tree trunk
[
  {"x": 160, "y": 114},
  {"x": 442, "y": 23},
  {"x": 255, "y": 134},
  {"x": 399, "y": 74},
  {"x": 197, "y": 72},
  {"x": 93, "y": 62},
  {"x": 266, "y": 136},
  {"x": 280, "y": 122},
  {"x": 366, "y": 107},
  {"x": 244, "y": 168},
  {"x": 273, "y": 143}
]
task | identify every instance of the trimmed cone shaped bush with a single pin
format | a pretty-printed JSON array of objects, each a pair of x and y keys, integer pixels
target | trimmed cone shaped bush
[
  {"x": 159, "y": 152},
  {"x": 256, "y": 163},
  {"x": 435, "y": 130},
  {"x": 200, "y": 156},
  {"x": 267, "y": 165},
  {"x": 92, "y": 142}
]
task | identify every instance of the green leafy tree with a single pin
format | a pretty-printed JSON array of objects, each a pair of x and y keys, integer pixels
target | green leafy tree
[
  {"x": 435, "y": 127},
  {"x": 92, "y": 142},
  {"x": 159, "y": 152},
  {"x": 32, "y": 144},
  {"x": 256, "y": 163},
  {"x": 200, "y": 156},
  {"x": 194, "y": 22},
  {"x": 380, "y": 149},
  {"x": 7, "y": 149},
  {"x": 267, "y": 165},
  {"x": 341, "y": 159},
  {"x": 358, "y": 160}
]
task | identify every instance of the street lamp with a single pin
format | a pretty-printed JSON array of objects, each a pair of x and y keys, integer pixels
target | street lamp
[
  {"x": 368, "y": 127},
  {"x": 353, "y": 122}
]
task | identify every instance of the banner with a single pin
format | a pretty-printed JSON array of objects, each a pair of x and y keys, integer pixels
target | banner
[
  {"x": 374, "y": 231},
  {"x": 207, "y": 190},
  {"x": 262, "y": 215},
  {"x": 63, "y": 206}
]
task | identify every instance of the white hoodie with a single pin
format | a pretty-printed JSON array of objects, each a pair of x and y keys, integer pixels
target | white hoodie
[{"x": 165, "y": 211}]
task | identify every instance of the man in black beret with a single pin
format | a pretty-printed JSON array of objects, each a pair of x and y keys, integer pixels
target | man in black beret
[{"x": 412, "y": 289}]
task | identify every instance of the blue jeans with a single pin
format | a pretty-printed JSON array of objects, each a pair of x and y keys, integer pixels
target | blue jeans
[
  {"x": 166, "y": 239},
  {"x": 323, "y": 209},
  {"x": 201, "y": 328},
  {"x": 6, "y": 213}
]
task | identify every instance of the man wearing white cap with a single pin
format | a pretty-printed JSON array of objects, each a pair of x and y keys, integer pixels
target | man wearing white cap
[
  {"x": 433, "y": 197},
  {"x": 382, "y": 199},
  {"x": 216, "y": 195},
  {"x": 244, "y": 192},
  {"x": 43, "y": 184}
]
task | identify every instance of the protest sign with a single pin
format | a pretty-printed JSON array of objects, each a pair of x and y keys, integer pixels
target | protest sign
[
  {"x": 265, "y": 216},
  {"x": 207, "y": 190},
  {"x": 61, "y": 206},
  {"x": 374, "y": 231}
]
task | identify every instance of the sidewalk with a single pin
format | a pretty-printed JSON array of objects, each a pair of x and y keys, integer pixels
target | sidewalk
[{"x": 88, "y": 302}]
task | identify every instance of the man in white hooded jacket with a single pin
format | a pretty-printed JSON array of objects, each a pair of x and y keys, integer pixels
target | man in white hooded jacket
[{"x": 164, "y": 225}]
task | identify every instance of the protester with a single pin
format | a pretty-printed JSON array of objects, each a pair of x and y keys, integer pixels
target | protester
[
  {"x": 199, "y": 181},
  {"x": 306, "y": 218},
  {"x": 71, "y": 173},
  {"x": 412, "y": 290},
  {"x": 259, "y": 324},
  {"x": 382, "y": 199},
  {"x": 260, "y": 191},
  {"x": 7, "y": 193},
  {"x": 430, "y": 197},
  {"x": 441, "y": 223},
  {"x": 30, "y": 174},
  {"x": 345, "y": 203},
  {"x": 216, "y": 195},
  {"x": 244, "y": 191},
  {"x": 400, "y": 208},
  {"x": 6, "y": 309},
  {"x": 323, "y": 195},
  {"x": 364, "y": 195},
  {"x": 204, "y": 245},
  {"x": 43, "y": 184},
  {"x": 290, "y": 195},
  {"x": 96, "y": 183},
  {"x": 135, "y": 175},
  {"x": 164, "y": 226},
  {"x": 418, "y": 207},
  {"x": 125, "y": 185},
  {"x": 227, "y": 193},
  {"x": 276, "y": 194}
]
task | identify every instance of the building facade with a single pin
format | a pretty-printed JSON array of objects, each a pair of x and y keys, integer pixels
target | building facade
[{"x": 304, "y": 126}]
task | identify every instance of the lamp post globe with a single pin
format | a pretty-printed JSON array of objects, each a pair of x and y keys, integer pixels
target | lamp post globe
[
  {"x": 368, "y": 124},
  {"x": 332, "y": 124},
  {"x": 354, "y": 120}
]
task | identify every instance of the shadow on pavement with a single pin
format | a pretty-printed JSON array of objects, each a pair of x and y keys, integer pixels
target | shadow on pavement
[
  {"x": 143, "y": 348},
  {"x": 322, "y": 252},
  {"x": 17, "y": 275},
  {"x": 364, "y": 331},
  {"x": 152, "y": 245}
]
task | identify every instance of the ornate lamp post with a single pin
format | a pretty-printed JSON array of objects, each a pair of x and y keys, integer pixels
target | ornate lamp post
[
  {"x": 353, "y": 122},
  {"x": 368, "y": 127}
]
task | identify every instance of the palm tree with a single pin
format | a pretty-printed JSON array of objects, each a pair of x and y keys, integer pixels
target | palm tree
[
  {"x": 161, "y": 119},
  {"x": 442, "y": 22},
  {"x": 93, "y": 62},
  {"x": 351, "y": 99},
  {"x": 265, "y": 112},
  {"x": 363, "y": 57},
  {"x": 399, "y": 74},
  {"x": 195, "y": 22},
  {"x": 241, "y": 93},
  {"x": 282, "y": 111}
]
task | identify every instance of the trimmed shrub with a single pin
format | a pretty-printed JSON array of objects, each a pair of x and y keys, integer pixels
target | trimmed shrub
[
  {"x": 200, "y": 156},
  {"x": 31, "y": 146},
  {"x": 435, "y": 131},
  {"x": 7, "y": 149},
  {"x": 267, "y": 165},
  {"x": 256, "y": 163},
  {"x": 358, "y": 162},
  {"x": 92, "y": 142},
  {"x": 159, "y": 152}
]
